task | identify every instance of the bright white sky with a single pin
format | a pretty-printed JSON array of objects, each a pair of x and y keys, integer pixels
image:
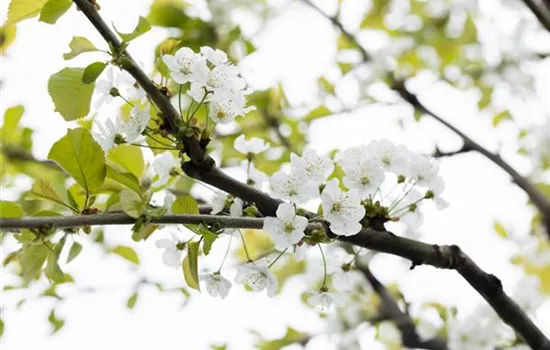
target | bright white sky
[{"x": 479, "y": 194}]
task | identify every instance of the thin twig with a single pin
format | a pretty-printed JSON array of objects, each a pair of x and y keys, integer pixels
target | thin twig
[{"x": 540, "y": 12}]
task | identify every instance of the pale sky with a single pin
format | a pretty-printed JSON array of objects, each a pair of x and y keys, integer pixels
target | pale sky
[{"x": 478, "y": 192}]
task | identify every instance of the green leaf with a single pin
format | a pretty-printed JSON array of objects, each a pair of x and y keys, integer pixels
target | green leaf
[
  {"x": 76, "y": 248},
  {"x": 500, "y": 230},
  {"x": 56, "y": 323},
  {"x": 132, "y": 203},
  {"x": 319, "y": 112},
  {"x": 127, "y": 158},
  {"x": 7, "y": 33},
  {"x": 142, "y": 27},
  {"x": 44, "y": 190},
  {"x": 54, "y": 9},
  {"x": 19, "y": 10},
  {"x": 498, "y": 118},
  {"x": 185, "y": 205},
  {"x": 127, "y": 253},
  {"x": 131, "y": 302},
  {"x": 10, "y": 210},
  {"x": 126, "y": 179},
  {"x": 82, "y": 157},
  {"x": 191, "y": 266},
  {"x": 79, "y": 45},
  {"x": 93, "y": 71},
  {"x": 53, "y": 271},
  {"x": 69, "y": 94},
  {"x": 1, "y": 328},
  {"x": 32, "y": 258},
  {"x": 10, "y": 130},
  {"x": 292, "y": 336}
]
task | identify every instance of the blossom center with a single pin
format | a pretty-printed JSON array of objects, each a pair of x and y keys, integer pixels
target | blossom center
[
  {"x": 365, "y": 180},
  {"x": 288, "y": 227}
]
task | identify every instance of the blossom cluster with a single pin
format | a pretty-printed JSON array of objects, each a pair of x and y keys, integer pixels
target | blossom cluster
[{"x": 213, "y": 78}]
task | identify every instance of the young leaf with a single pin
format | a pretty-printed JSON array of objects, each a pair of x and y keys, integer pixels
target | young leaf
[
  {"x": 19, "y": 10},
  {"x": 93, "y": 71},
  {"x": 500, "y": 117},
  {"x": 31, "y": 258},
  {"x": 82, "y": 157},
  {"x": 79, "y": 45},
  {"x": 185, "y": 205},
  {"x": 76, "y": 248},
  {"x": 142, "y": 27},
  {"x": 191, "y": 266},
  {"x": 127, "y": 158},
  {"x": 69, "y": 94},
  {"x": 10, "y": 210},
  {"x": 126, "y": 179},
  {"x": 131, "y": 302},
  {"x": 7, "y": 33},
  {"x": 132, "y": 203},
  {"x": 127, "y": 253},
  {"x": 56, "y": 323},
  {"x": 44, "y": 190},
  {"x": 53, "y": 271},
  {"x": 53, "y": 10}
]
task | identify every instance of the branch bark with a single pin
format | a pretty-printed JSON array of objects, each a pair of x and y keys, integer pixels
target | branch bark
[
  {"x": 538, "y": 199},
  {"x": 540, "y": 11},
  {"x": 403, "y": 321}
]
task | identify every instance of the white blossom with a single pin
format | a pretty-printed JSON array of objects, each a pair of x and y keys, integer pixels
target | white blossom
[
  {"x": 350, "y": 157},
  {"x": 389, "y": 156},
  {"x": 172, "y": 254},
  {"x": 322, "y": 301},
  {"x": 139, "y": 118},
  {"x": 224, "y": 109},
  {"x": 528, "y": 294},
  {"x": 317, "y": 168},
  {"x": 300, "y": 251},
  {"x": 216, "y": 284},
  {"x": 366, "y": 178},
  {"x": 257, "y": 276},
  {"x": 214, "y": 56},
  {"x": 169, "y": 200},
  {"x": 345, "y": 281},
  {"x": 162, "y": 166},
  {"x": 253, "y": 145},
  {"x": 295, "y": 187},
  {"x": 106, "y": 135},
  {"x": 108, "y": 88},
  {"x": 424, "y": 172},
  {"x": 218, "y": 202},
  {"x": 287, "y": 228},
  {"x": 343, "y": 210},
  {"x": 186, "y": 65}
]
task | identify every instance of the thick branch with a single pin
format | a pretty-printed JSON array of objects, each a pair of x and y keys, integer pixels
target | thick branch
[
  {"x": 18, "y": 154},
  {"x": 538, "y": 199},
  {"x": 194, "y": 150},
  {"x": 445, "y": 257},
  {"x": 539, "y": 9},
  {"x": 405, "y": 324}
]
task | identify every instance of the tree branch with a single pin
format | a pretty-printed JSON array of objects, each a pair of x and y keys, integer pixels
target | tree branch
[
  {"x": 16, "y": 154},
  {"x": 445, "y": 257},
  {"x": 403, "y": 321},
  {"x": 538, "y": 199},
  {"x": 540, "y": 13},
  {"x": 193, "y": 148}
]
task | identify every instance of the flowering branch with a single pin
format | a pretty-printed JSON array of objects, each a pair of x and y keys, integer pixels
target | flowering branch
[
  {"x": 542, "y": 204},
  {"x": 403, "y": 321},
  {"x": 419, "y": 253},
  {"x": 540, "y": 201},
  {"x": 193, "y": 148}
]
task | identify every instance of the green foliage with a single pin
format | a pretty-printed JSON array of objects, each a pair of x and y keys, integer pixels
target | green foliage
[
  {"x": 70, "y": 95},
  {"x": 55, "y": 322},
  {"x": 7, "y": 35},
  {"x": 79, "y": 45},
  {"x": 93, "y": 71},
  {"x": 10, "y": 210},
  {"x": 141, "y": 28},
  {"x": 131, "y": 302},
  {"x": 42, "y": 189},
  {"x": 127, "y": 253},
  {"x": 82, "y": 157},
  {"x": 500, "y": 117},
  {"x": 132, "y": 203},
  {"x": 291, "y": 336},
  {"x": 127, "y": 179},
  {"x": 53, "y": 271},
  {"x": 185, "y": 205},
  {"x": 127, "y": 158},
  {"x": 76, "y": 248},
  {"x": 31, "y": 259},
  {"x": 54, "y": 9},
  {"x": 190, "y": 266},
  {"x": 500, "y": 230},
  {"x": 19, "y": 10}
]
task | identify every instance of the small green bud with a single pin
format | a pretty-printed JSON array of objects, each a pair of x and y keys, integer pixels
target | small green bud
[
  {"x": 119, "y": 139},
  {"x": 180, "y": 246},
  {"x": 429, "y": 195},
  {"x": 114, "y": 92},
  {"x": 400, "y": 179}
]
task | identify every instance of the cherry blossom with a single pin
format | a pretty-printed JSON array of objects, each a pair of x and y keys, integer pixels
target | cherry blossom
[
  {"x": 253, "y": 145},
  {"x": 287, "y": 228},
  {"x": 216, "y": 284},
  {"x": 295, "y": 187},
  {"x": 162, "y": 166},
  {"x": 343, "y": 210},
  {"x": 322, "y": 301},
  {"x": 186, "y": 65},
  {"x": 257, "y": 276},
  {"x": 173, "y": 251},
  {"x": 316, "y": 167}
]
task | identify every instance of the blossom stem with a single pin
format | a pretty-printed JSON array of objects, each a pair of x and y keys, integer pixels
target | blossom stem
[
  {"x": 154, "y": 147},
  {"x": 277, "y": 258},
  {"x": 125, "y": 100},
  {"x": 324, "y": 266},
  {"x": 157, "y": 141},
  {"x": 179, "y": 102},
  {"x": 244, "y": 247},
  {"x": 200, "y": 104},
  {"x": 226, "y": 253},
  {"x": 401, "y": 199}
]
